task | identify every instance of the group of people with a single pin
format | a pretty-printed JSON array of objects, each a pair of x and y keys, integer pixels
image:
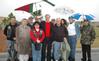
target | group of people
[{"x": 50, "y": 39}]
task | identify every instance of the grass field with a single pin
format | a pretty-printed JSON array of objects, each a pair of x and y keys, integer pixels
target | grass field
[{"x": 96, "y": 42}]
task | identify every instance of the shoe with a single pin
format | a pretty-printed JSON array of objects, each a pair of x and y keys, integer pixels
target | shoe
[
  {"x": 8, "y": 59},
  {"x": 89, "y": 60},
  {"x": 83, "y": 59}
]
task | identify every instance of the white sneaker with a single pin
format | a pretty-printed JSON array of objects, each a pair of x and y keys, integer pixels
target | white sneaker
[{"x": 56, "y": 60}]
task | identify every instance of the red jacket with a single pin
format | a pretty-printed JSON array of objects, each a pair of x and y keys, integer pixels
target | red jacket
[{"x": 34, "y": 38}]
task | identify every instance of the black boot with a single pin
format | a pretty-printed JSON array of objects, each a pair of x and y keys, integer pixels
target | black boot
[
  {"x": 8, "y": 59},
  {"x": 60, "y": 59},
  {"x": 83, "y": 59},
  {"x": 73, "y": 59},
  {"x": 30, "y": 59},
  {"x": 89, "y": 60}
]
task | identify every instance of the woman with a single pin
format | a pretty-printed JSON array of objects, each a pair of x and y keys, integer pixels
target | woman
[
  {"x": 65, "y": 45},
  {"x": 37, "y": 36},
  {"x": 23, "y": 40}
]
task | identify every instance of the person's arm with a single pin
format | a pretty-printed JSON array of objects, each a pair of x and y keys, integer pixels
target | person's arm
[
  {"x": 17, "y": 38},
  {"x": 5, "y": 31},
  {"x": 93, "y": 35},
  {"x": 32, "y": 36},
  {"x": 43, "y": 36}
]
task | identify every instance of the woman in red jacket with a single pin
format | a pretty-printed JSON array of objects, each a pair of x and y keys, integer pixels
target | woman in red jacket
[{"x": 37, "y": 36}]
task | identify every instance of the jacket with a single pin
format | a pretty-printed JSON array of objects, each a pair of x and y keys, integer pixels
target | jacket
[
  {"x": 34, "y": 35},
  {"x": 23, "y": 39},
  {"x": 43, "y": 26},
  {"x": 87, "y": 35},
  {"x": 59, "y": 33},
  {"x": 9, "y": 31}
]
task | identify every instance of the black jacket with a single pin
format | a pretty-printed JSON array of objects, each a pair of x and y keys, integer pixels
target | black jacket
[
  {"x": 59, "y": 33},
  {"x": 9, "y": 31}
]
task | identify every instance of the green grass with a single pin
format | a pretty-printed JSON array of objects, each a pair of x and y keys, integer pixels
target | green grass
[{"x": 97, "y": 31}]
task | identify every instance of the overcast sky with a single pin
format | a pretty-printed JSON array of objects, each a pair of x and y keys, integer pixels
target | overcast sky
[{"x": 80, "y": 6}]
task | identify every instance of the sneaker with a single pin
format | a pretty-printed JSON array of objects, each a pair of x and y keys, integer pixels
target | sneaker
[
  {"x": 8, "y": 59},
  {"x": 56, "y": 60}
]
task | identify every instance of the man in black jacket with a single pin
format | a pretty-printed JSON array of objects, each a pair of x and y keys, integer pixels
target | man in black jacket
[
  {"x": 9, "y": 31},
  {"x": 59, "y": 35}
]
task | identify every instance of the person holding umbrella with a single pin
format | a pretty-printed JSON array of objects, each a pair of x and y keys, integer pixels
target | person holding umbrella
[{"x": 87, "y": 39}]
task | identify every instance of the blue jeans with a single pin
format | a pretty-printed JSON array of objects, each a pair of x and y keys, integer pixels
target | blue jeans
[
  {"x": 72, "y": 42},
  {"x": 10, "y": 43},
  {"x": 57, "y": 50},
  {"x": 36, "y": 55}
]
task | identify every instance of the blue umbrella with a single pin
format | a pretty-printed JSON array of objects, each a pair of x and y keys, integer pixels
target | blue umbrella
[
  {"x": 78, "y": 15},
  {"x": 89, "y": 17}
]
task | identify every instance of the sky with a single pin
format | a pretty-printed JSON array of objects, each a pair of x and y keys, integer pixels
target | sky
[{"x": 79, "y": 6}]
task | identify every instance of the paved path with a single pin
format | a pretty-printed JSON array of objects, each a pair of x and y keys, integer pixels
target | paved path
[{"x": 95, "y": 55}]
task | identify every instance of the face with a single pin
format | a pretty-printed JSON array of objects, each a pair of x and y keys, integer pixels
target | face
[
  {"x": 53, "y": 21},
  {"x": 13, "y": 21},
  {"x": 62, "y": 21},
  {"x": 58, "y": 21},
  {"x": 24, "y": 22},
  {"x": 86, "y": 22},
  {"x": 47, "y": 17},
  {"x": 30, "y": 20},
  {"x": 36, "y": 26},
  {"x": 36, "y": 18},
  {"x": 71, "y": 20}
]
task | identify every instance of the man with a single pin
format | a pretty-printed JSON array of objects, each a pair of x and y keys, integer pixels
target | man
[
  {"x": 72, "y": 38},
  {"x": 38, "y": 19},
  {"x": 87, "y": 39},
  {"x": 59, "y": 35},
  {"x": 23, "y": 40},
  {"x": 46, "y": 26},
  {"x": 30, "y": 22},
  {"x": 9, "y": 31}
]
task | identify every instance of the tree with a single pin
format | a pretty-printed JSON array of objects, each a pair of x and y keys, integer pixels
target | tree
[{"x": 6, "y": 20}]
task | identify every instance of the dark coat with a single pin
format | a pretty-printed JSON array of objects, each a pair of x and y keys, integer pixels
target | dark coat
[
  {"x": 87, "y": 35},
  {"x": 9, "y": 31},
  {"x": 59, "y": 33}
]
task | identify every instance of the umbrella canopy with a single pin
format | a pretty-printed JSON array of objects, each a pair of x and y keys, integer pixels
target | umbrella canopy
[{"x": 85, "y": 16}]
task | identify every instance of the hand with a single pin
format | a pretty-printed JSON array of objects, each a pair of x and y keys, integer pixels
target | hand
[
  {"x": 81, "y": 25},
  {"x": 92, "y": 42},
  {"x": 14, "y": 38},
  {"x": 38, "y": 41},
  {"x": 65, "y": 40}
]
